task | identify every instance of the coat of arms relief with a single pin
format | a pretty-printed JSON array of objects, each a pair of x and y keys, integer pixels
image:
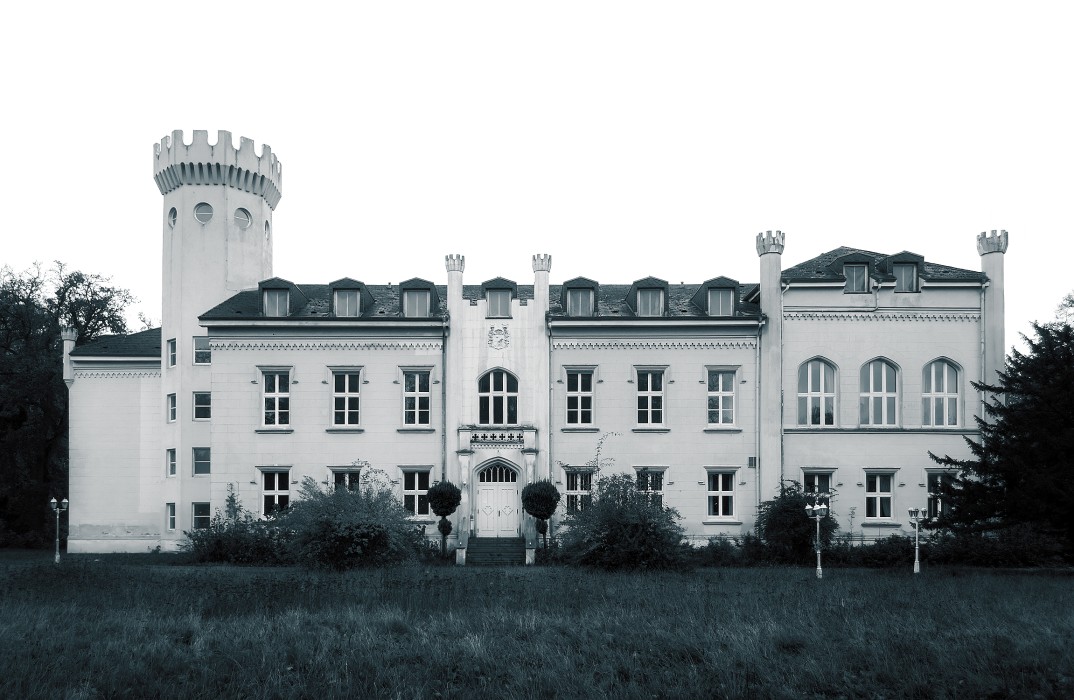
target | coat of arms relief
[{"x": 499, "y": 336}]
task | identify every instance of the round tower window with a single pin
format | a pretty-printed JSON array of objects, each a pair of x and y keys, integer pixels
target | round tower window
[
  {"x": 172, "y": 216},
  {"x": 203, "y": 213},
  {"x": 243, "y": 218}
]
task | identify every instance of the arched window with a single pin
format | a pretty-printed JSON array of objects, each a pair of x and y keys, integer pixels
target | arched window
[
  {"x": 816, "y": 393},
  {"x": 879, "y": 401},
  {"x": 497, "y": 393},
  {"x": 939, "y": 394}
]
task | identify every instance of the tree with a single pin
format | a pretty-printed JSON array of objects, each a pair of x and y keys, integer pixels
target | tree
[
  {"x": 444, "y": 497},
  {"x": 1022, "y": 469},
  {"x": 540, "y": 500},
  {"x": 785, "y": 528},
  {"x": 34, "y": 305}
]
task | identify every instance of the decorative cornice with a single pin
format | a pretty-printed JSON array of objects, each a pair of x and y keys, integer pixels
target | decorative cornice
[
  {"x": 176, "y": 164},
  {"x": 653, "y": 344},
  {"x": 323, "y": 345},
  {"x": 882, "y": 316},
  {"x": 115, "y": 373}
]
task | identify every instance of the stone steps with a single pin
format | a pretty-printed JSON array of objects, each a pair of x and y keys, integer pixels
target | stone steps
[{"x": 496, "y": 551}]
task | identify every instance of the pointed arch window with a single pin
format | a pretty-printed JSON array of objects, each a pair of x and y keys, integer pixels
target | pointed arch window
[
  {"x": 816, "y": 393},
  {"x": 939, "y": 394},
  {"x": 879, "y": 400},
  {"x": 497, "y": 393}
]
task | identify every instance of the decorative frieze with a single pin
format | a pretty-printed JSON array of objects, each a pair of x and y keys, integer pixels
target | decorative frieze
[
  {"x": 325, "y": 345},
  {"x": 745, "y": 344},
  {"x": 116, "y": 373},
  {"x": 944, "y": 316},
  {"x": 493, "y": 438}
]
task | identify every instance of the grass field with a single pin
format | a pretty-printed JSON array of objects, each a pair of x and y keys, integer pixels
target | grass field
[{"x": 105, "y": 627}]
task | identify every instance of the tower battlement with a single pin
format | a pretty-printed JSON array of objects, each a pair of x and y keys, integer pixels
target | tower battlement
[
  {"x": 542, "y": 262},
  {"x": 455, "y": 262},
  {"x": 769, "y": 242},
  {"x": 991, "y": 243},
  {"x": 176, "y": 163}
]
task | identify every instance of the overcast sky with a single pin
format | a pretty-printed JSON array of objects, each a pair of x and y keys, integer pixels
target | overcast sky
[{"x": 625, "y": 139}]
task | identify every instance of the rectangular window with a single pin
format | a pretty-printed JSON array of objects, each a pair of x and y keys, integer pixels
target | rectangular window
[
  {"x": 417, "y": 398},
  {"x": 416, "y": 303},
  {"x": 202, "y": 354},
  {"x": 579, "y": 397},
  {"x": 651, "y": 482},
  {"x": 275, "y": 490},
  {"x": 415, "y": 492},
  {"x": 650, "y": 302},
  {"x": 937, "y": 482},
  {"x": 169, "y": 516},
  {"x": 878, "y": 495},
  {"x": 721, "y": 494},
  {"x": 202, "y": 517},
  {"x": 172, "y": 353},
  {"x": 169, "y": 462},
  {"x": 905, "y": 277},
  {"x": 650, "y": 397},
  {"x": 275, "y": 393},
  {"x": 721, "y": 397},
  {"x": 203, "y": 405},
  {"x": 345, "y": 399},
  {"x": 499, "y": 303},
  {"x": 346, "y": 478},
  {"x": 721, "y": 302},
  {"x": 173, "y": 408},
  {"x": 579, "y": 302},
  {"x": 818, "y": 482},
  {"x": 346, "y": 302},
  {"x": 276, "y": 301},
  {"x": 579, "y": 490},
  {"x": 856, "y": 275},
  {"x": 202, "y": 460}
]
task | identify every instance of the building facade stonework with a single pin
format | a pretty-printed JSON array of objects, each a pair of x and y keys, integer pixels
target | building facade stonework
[{"x": 841, "y": 373}]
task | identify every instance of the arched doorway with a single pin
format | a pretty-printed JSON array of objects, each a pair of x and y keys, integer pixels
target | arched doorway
[{"x": 497, "y": 501}]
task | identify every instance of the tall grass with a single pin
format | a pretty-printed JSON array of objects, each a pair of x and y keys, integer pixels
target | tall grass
[{"x": 119, "y": 628}]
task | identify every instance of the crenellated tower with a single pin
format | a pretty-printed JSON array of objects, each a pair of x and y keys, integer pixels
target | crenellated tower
[
  {"x": 770, "y": 458},
  {"x": 992, "y": 248}
]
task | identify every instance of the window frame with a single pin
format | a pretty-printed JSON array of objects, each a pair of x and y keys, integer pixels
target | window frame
[
  {"x": 819, "y": 394},
  {"x": 716, "y": 499},
  {"x": 344, "y": 309},
  {"x": 818, "y": 474},
  {"x": 172, "y": 352},
  {"x": 346, "y": 395},
  {"x": 414, "y": 492},
  {"x": 205, "y": 352},
  {"x": 948, "y": 398},
  {"x": 645, "y": 309},
  {"x": 578, "y": 489},
  {"x": 201, "y": 456},
  {"x": 502, "y": 306},
  {"x": 276, "y": 396},
  {"x": 719, "y": 310},
  {"x": 877, "y": 496},
  {"x": 169, "y": 517},
  {"x": 649, "y": 396},
  {"x": 581, "y": 302},
  {"x": 417, "y": 394},
  {"x": 172, "y": 408},
  {"x": 859, "y": 282},
  {"x": 352, "y": 477},
  {"x": 720, "y": 393},
  {"x": 488, "y": 401},
  {"x": 581, "y": 397},
  {"x": 409, "y": 295},
  {"x": 205, "y": 518},
  {"x": 277, "y": 295},
  {"x": 171, "y": 465},
  {"x": 276, "y": 493},
  {"x": 644, "y": 480},
  {"x": 904, "y": 285},
  {"x": 869, "y": 394},
  {"x": 205, "y": 405}
]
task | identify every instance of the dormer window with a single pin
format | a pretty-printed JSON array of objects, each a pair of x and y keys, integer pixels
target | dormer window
[
  {"x": 905, "y": 277},
  {"x": 721, "y": 302},
  {"x": 650, "y": 302},
  {"x": 416, "y": 303},
  {"x": 498, "y": 302},
  {"x": 347, "y": 302},
  {"x": 579, "y": 302},
  {"x": 276, "y": 302},
  {"x": 856, "y": 278}
]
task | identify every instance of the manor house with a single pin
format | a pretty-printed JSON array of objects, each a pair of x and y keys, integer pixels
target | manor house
[{"x": 841, "y": 372}]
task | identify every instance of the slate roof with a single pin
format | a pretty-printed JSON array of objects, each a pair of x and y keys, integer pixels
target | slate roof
[
  {"x": 818, "y": 268},
  {"x": 141, "y": 344},
  {"x": 387, "y": 304},
  {"x": 612, "y": 302}
]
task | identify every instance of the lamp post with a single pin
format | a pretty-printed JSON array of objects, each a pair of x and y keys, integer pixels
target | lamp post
[
  {"x": 58, "y": 508},
  {"x": 817, "y": 512},
  {"x": 917, "y": 515}
]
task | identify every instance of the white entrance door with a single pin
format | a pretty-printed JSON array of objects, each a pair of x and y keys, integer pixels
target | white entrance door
[{"x": 497, "y": 502}]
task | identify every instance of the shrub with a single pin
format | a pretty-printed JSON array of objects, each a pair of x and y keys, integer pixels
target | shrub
[
  {"x": 444, "y": 497},
  {"x": 788, "y": 533},
  {"x": 1017, "y": 546},
  {"x": 540, "y": 500},
  {"x": 346, "y": 528},
  {"x": 623, "y": 528},
  {"x": 236, "y": 536}
]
